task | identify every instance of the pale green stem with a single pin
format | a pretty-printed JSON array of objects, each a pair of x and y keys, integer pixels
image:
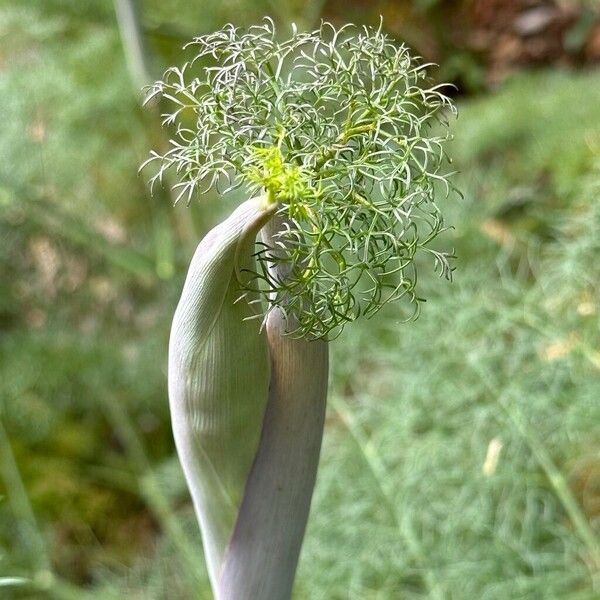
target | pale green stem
[
  {"x": 140, "y": 66},
  {"x": 21, "y": 505},
  {"x": 262, "y": 556},
  {"x": 132, "y": 37},
  {"x": 43, "y": 580}
]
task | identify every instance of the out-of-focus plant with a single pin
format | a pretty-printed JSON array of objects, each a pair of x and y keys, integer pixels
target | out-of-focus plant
[{"x": 337, "y": 134}]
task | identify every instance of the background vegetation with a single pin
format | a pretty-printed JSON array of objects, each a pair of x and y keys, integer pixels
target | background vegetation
[{"x": 462, "y": 452}]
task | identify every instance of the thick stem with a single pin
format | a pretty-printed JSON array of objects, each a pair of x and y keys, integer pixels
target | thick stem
[{"x": 261, "y": 559}]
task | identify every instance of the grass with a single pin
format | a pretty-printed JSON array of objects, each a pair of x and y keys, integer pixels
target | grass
[{"x": 413, "y": 499}]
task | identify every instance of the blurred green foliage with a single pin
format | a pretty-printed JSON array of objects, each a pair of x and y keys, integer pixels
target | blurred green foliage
[{"x": 462, "y": 452}]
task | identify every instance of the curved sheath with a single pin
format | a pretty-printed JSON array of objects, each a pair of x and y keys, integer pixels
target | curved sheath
[
  {"x": 218, "y": 378},
  {"x": 248, "y": 409}
]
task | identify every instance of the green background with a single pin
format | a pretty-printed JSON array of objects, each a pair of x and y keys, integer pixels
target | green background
[{"x": 411, "y": 500}]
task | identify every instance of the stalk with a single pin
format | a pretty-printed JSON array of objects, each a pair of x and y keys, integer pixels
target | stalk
[{"x": 263, "y": 553}]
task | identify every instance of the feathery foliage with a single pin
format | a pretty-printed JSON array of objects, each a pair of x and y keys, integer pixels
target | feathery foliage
[{"x": 335, "y": 126}]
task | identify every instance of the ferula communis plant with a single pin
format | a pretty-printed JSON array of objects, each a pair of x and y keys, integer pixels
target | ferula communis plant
[{"x": 337, "y": 135}]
